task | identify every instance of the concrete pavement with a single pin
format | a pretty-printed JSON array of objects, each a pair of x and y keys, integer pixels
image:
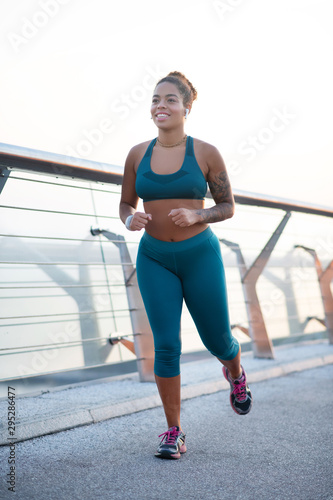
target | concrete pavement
[
  {"x": 282, "y": 450},
  {"x": 93, "y": 402}
]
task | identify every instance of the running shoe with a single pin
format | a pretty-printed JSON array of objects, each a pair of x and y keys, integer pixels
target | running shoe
[
  {"x": 240, "y": 394},
  {"x": 172, "y": 444}
]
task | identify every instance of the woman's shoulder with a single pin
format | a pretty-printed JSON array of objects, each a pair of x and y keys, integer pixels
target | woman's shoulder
[
  {"x": 137, "y": 152},
  {"x": 138, "y": 148},
  {"x": 205, "y": 149}
]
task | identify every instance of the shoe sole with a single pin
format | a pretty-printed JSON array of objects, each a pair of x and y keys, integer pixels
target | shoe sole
[{"x": 170, "y": 456}]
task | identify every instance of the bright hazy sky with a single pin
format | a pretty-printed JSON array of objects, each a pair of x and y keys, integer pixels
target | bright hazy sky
[{"x": 77, "y": 78}]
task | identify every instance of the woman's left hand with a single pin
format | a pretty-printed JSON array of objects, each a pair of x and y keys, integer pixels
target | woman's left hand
[{"x": 184, "y": 217}]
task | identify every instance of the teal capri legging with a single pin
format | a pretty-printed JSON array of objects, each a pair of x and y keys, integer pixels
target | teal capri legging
[{"x": 193, "y": 270}]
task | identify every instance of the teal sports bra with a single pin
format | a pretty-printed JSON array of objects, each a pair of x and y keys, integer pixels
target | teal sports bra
[{"x": 187, "y": 183}]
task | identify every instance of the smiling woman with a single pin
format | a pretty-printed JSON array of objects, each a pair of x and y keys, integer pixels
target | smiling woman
[{"x": 179, "y": 255}]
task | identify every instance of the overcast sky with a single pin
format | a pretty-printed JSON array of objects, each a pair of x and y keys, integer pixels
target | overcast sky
[{"x": 77, "y": 78}]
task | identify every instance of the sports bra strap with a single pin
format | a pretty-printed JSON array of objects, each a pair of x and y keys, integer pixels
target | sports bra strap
[
  {"x": 189, "y": 146},
  {"x": 150, "y": 148}
]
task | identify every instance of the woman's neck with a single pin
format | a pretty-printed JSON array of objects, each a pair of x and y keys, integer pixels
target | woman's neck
[{"x": 170, "y": 137}]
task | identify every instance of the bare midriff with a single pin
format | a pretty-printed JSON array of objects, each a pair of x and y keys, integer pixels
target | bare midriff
[{"x": 162, "y": 226}]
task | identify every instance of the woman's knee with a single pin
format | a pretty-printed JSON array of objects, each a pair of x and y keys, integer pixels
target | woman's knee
[
  {"x": 167, "y": 362},
  {"x": 225, "y": 351}
]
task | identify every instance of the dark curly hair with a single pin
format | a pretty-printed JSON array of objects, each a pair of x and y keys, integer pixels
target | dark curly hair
[{"x": 185, "y": 87}]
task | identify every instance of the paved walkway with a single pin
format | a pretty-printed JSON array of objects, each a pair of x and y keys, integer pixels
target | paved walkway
[
  {"x": 94, "y": 402},
  {"x": 282, "y": 450}
]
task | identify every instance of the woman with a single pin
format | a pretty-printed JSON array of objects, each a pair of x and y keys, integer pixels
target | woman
[{"x": 179, "y": 256}]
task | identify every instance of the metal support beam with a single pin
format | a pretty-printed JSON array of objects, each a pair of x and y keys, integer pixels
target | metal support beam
[
  {"x": 324, "y": 279},
  {"x": 4, "y": 174},
  {"x": 242, "y": 329},
  {"x": 124, "y": 341},
  {"x": 310, "y": 318},
  {"x": 262, "y": 345},
  {"x": 287, "y": 289},
  {"x": 143, "y": 337}
]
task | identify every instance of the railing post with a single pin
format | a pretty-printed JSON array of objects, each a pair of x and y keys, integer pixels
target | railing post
[
  {"x": 4, "y": 174},
  {"x": 143, "y": 337},
  {"x": 289, "y": 297},
  {"x": 324, "y": 279},
  {"x": 262, "y": 345}
]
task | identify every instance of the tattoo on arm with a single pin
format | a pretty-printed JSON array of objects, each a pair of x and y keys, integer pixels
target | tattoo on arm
[
  {"x": 220, "y": 188},
  {"x": 221, "y": 192}
]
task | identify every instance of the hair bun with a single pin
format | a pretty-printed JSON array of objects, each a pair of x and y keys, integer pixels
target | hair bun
[
  {"x": 182, "y": 77},
  {"x": 185, "y": 87}
]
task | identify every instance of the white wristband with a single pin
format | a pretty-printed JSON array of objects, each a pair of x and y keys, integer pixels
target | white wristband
[{"x": 128, "y": 222}]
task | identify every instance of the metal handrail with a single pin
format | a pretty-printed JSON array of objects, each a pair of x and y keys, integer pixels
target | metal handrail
[
  {"x": 19, "y": 158},
  {"x": 15, "y": 158},
  {"x": 260, "y": 200}
]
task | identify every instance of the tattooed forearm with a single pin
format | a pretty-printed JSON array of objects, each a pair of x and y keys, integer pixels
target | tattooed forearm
[
  {"x": 219, "y": 212},
  {"x": 221, "y": 192}
]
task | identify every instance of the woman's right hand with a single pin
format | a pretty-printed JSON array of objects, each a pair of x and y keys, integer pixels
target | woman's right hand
[{"x": 139, "y": 221}]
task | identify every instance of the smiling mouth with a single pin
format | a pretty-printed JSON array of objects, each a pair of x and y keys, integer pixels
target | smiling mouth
[{"x": 161, "y": 115}]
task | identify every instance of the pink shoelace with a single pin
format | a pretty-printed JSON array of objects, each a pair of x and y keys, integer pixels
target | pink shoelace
[
  {"x": 240, "y": 389},
  {"x": 170, "y": 435}
]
